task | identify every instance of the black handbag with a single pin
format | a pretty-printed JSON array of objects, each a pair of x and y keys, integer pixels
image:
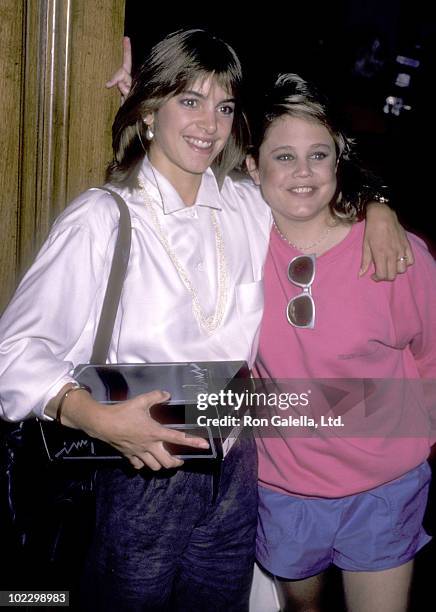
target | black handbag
[{"x": 47, "y": 509}]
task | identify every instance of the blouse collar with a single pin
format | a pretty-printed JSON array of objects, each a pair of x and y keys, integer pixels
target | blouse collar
[{"x": 166, "y": 195}]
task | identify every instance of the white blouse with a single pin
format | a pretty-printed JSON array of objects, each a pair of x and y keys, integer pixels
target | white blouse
[{"x": 50, "y": 324}]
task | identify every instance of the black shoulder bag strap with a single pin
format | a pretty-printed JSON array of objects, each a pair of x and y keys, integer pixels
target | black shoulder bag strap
[{"x": 114, "y": 287}]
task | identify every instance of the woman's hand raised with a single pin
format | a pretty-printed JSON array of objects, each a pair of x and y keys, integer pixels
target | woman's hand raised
[{"x": 122, "y": 78}]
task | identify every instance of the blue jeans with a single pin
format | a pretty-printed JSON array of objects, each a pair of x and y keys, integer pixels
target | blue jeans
[{"x": 166, "y": 542}]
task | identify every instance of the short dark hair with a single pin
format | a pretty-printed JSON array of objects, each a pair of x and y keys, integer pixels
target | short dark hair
[
  {"x": 171, "y": 67},
  {"x": 293, "y": 96}
]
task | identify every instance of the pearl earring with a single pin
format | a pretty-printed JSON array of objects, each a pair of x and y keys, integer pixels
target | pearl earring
[{"x": 149, "y": 134}]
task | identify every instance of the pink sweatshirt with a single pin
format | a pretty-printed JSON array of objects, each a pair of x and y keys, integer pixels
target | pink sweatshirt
[{"x": 363, "y": 330}]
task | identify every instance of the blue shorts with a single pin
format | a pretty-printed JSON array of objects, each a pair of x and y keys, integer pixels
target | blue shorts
[{"x": 298, "y": 537}]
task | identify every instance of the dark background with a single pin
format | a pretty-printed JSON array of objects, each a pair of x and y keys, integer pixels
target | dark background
[{"x": 349, "y": 47}]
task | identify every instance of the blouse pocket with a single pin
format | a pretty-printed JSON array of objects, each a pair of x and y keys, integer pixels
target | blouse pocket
[{"x": 249, "y": 297}]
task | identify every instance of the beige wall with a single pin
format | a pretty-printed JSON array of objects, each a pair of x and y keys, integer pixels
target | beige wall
[{"x": 55, "y": 113}]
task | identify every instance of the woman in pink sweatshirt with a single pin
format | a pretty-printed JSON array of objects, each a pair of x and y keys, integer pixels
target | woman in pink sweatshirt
[{"x": 343, "y": 471}]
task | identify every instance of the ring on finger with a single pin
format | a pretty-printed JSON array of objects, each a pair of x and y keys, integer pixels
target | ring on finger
[{"x": 403, "y": 258}]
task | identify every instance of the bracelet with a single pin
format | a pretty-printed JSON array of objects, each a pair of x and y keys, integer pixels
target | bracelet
[
  {"x": 374, "y": 194},
  {"x": 368, "y": 195},
  {"x": 380, "y": 199},
  {"x": 76, "y": 387}
]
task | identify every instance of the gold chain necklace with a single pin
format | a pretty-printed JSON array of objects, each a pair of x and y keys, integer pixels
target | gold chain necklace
[
  {"x": 304, "y": 247},
  {"x": 208, "y": 323}
]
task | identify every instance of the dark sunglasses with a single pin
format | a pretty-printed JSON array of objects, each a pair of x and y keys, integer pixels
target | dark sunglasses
[{"x": 300, "y": 311}]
